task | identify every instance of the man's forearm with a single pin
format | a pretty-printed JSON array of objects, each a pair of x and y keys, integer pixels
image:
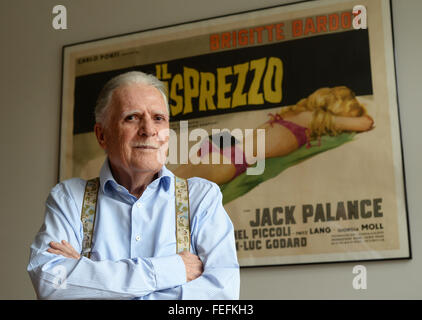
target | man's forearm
[
  {"x": 217, "y": 284},
  {"x": 66, "y": 278}
]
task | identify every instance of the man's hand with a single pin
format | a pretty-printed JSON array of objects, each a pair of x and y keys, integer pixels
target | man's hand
[
  {"x": 64, "y": 249},
  {"x": 193, "y": 265}
]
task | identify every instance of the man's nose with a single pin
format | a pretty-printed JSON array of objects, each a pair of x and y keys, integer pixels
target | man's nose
[{"x": 146, "y": 127}]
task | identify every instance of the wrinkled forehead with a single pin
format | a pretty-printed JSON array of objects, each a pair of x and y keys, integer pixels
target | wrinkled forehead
[{"x": 138, "y": 96}]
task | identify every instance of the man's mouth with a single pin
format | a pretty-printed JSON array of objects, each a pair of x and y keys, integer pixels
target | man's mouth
[{"x": 146, "y": 146}]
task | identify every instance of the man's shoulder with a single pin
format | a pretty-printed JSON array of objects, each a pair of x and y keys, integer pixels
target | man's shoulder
[
  {"x": 66, "y": 198},
  {"x": 69, "y": 190},
  {"x": 202, "y": 185},
  {"x": 203, "y": 193},
  {"x": 205, "y": 198},
  {"x": 69, "y": 185}
]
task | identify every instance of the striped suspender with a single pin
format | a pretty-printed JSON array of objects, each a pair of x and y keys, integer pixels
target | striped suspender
[{"x": 89, "y": 208}]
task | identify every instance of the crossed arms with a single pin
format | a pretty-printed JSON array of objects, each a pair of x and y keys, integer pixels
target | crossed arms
[
  {"x": 211, "y": 272},
  {"x": 193, "y": 265}
]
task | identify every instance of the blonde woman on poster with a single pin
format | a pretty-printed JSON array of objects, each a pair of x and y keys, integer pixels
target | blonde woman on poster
[{"x": 327, "y": 111}]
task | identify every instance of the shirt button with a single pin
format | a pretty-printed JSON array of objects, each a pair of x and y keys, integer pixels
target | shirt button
[
  {"x": 138, "y": 204},
  {"x": 138, "y": 238}
]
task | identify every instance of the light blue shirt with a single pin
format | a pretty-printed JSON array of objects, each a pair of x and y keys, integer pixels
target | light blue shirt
[{"x": 134, "y": 243}]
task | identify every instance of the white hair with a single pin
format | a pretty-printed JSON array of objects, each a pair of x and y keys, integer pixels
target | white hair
[{"x": 132, "y": 77}]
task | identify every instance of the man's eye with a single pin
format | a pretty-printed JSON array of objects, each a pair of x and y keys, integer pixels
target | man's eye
[
  {"x": 130, "y": 117},
  {"x": 160, "y": 118}
]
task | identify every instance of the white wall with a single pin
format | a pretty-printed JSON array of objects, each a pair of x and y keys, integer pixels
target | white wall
[{"x": 30, "y": 58}]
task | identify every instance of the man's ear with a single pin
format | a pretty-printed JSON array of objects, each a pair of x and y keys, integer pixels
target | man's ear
[{"x": 100, "y": 134}]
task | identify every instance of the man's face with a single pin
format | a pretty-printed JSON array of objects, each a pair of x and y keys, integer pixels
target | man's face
[{"x": 135, "y": 134}]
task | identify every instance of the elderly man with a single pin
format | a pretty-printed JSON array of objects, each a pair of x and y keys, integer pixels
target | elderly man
[{"x": 133, "y": 252}]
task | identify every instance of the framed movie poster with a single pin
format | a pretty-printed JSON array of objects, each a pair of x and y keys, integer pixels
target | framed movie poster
[{"x": 291, "y": 110}]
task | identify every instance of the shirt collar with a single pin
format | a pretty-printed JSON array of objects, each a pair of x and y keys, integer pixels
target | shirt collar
[{"x": 165, "y": 178}]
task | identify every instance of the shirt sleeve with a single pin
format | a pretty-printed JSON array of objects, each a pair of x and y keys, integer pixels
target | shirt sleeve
[
  {"x": 56, "y": 277},
  {"x": 213, "y": 241}
]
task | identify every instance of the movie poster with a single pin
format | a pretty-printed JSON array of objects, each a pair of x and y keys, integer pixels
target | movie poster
[{"x": 291, "y": 110}]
